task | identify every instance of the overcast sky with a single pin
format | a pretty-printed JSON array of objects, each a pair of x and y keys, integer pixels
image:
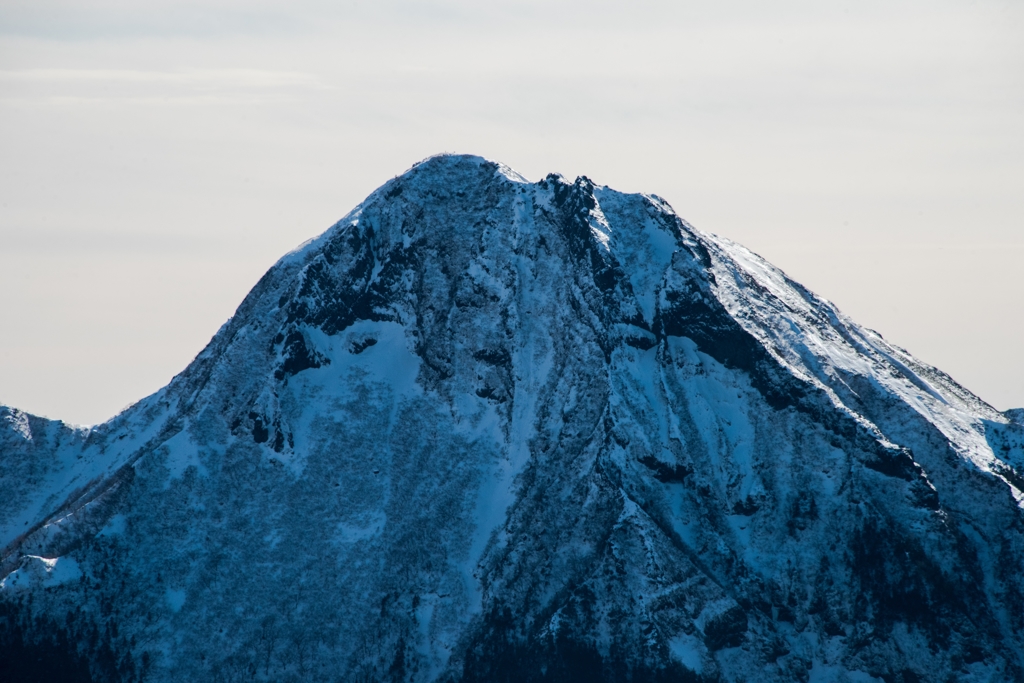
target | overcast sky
[{"x": 156, "y": 158}]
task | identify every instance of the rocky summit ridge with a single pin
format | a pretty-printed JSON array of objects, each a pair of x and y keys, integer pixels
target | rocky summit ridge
[{"x": 484, "y": 429}]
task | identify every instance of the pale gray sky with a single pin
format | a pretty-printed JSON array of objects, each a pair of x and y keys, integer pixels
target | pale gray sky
[{"x": 156, "y": 158}]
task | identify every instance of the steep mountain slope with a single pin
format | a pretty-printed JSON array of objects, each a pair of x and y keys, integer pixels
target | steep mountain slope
[{"x": 490, "y": 430}]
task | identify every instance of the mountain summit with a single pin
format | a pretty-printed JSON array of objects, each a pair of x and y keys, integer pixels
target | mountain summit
[{"x": 484, "y": 429}]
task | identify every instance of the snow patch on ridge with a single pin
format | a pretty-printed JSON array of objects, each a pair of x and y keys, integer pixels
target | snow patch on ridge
[
  {"x": 803, "y": 331},
  {"x": 44, "y": 571}
]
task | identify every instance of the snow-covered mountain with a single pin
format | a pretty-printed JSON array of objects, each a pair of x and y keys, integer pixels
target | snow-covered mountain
[{"x": 484, "y": 429}]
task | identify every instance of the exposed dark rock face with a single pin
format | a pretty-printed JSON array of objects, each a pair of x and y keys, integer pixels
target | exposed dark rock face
[{"x": 490, "y": 430}]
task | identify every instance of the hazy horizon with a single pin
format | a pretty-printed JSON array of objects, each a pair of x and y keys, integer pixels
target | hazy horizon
[{"x": 156, "y": 160}]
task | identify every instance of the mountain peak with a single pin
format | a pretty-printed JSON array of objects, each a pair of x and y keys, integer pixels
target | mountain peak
[
  {"x": 451, "y": 166},
  {"x": 489, "y": 429}
]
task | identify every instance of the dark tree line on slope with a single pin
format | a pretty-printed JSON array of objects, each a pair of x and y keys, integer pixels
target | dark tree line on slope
[{"x": 39, "y": 648}]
